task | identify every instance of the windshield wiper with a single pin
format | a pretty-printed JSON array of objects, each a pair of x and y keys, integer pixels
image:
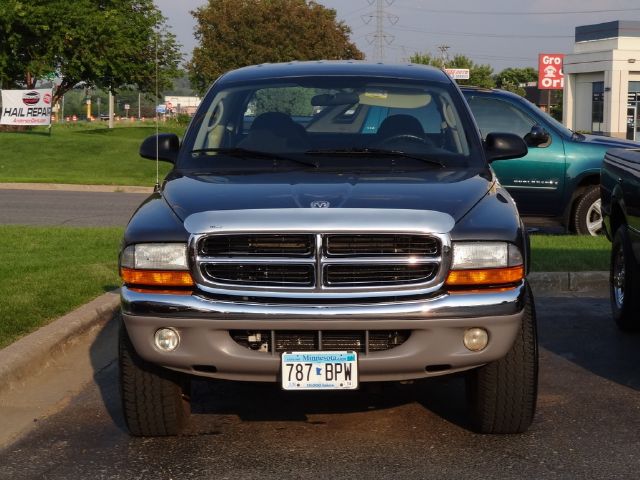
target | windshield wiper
[
  {"x": 247, "y": 153},
  {"x": 375, "y": 152}
]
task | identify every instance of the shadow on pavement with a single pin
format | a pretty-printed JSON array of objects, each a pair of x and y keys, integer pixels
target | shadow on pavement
[{"x": 582, "y": 331}]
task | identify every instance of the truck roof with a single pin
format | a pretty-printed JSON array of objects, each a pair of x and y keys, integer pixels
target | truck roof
[{"x": 267, "y": 71}]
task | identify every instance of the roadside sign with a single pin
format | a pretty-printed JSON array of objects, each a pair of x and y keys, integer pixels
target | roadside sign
[
  {"x": 161, "y": 108},
  {"x": 458, "y": 73},
  {"x": 127, "y": 106},
  {"x": 550, "y": 74}
]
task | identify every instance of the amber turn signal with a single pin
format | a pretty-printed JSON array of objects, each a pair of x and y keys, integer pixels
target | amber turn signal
[
  {"x": 485, "y": 276},
  {"x": 156, "y": 278}
]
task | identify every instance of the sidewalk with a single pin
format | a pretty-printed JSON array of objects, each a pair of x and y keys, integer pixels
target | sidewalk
[{"x": 67, "y": 187}]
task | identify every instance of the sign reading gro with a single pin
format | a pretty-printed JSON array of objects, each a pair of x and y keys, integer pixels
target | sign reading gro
[
  {"x": 26, "y": 107},
  {"x": 550, "y": 74}
]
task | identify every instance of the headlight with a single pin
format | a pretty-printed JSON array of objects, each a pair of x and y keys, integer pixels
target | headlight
[
  {"x": 485, "y": 263},
  {"x": 470, "y": 255},
  {"x": 155, "y": 256},
  {"x": 156, "y": 265}
]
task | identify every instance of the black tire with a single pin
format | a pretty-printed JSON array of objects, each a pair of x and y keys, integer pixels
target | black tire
[
  {"x": 624, "y": 283},
  {"x": 587, "y": 216},
  {"x": 154, "y": 402},
  {"x": 502, "y": 394}
]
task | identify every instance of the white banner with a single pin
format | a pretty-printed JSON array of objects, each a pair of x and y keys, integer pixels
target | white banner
[{"x": 26, "y": 107}]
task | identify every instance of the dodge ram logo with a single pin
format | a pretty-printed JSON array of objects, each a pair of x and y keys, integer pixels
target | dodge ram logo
[{"x": 320, "y": 204}]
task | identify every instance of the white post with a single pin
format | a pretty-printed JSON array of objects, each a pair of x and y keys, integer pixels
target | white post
[{"x": 111, "y": 109}]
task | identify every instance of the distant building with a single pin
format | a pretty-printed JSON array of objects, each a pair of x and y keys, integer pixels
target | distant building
[
  {"x": 545, "y": 99},
  {"x": 181, "y": 105},
  {"x": 602, "y": 80}
]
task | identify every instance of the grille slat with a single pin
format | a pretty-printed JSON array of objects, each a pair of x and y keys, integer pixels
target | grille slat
[
  {"x": 378, "y": 274},
  {"x": 308, "y": 340},
  {"x": 260, "y": 274},
  {"x": 258, "y": 245},
  {"x": 387, "y": 245}
]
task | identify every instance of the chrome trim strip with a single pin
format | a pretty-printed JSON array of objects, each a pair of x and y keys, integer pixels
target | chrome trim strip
[
  {"x": 445, "y": 305},
  {"x": 319, "y": 220}
]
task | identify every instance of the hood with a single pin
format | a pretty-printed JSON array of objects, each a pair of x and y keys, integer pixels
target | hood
[
  {"x": 609, "y": 142},
  {"x": 453, "y": 192}
]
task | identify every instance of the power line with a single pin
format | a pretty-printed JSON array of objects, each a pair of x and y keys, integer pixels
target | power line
[
  {"x": 486, "y": 12},
  {"x": 478, "y": 34}
]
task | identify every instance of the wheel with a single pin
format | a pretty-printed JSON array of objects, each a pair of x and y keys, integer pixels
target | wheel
[
  {"x": 624, "y": 280},
  {"x": 502, "y": 394},
  {"x": 587, "y": 218},
  {"x": 153, "y": 399}
]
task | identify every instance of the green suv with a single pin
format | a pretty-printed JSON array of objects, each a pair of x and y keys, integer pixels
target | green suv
[{"x": 560, "y": 176}]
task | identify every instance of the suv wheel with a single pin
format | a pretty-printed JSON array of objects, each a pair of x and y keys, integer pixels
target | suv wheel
[
  {"x": 154, "y": 400},
  {"x": 502, "y": 394},
  {"x": 587, "y": 218},
  {"x": 623, "y": 282}
]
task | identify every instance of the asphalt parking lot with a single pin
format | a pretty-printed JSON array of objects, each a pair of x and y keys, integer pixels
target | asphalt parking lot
[{"x": 586, "y": 427}]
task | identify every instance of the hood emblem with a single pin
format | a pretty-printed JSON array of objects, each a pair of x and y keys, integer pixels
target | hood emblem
[{"x": 320, "y": 204}]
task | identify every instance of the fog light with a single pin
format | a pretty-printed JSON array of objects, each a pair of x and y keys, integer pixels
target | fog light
[
  {"x": 167, "y": 339},
  {"x": 476, "y": 339}
]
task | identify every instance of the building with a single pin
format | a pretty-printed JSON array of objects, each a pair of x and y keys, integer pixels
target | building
[
  {"x": 602, "y": 80},
  {"x": 181, "y": 105}
]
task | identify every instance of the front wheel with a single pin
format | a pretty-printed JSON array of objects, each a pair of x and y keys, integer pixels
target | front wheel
[
  {"x": 502, "y": 394},
  {"x": 153, "y": 399},
  {"x": 587, "y": 218},
  {"x": 624, "y": 281}
]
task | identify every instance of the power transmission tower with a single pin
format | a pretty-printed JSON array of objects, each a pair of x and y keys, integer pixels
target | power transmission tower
[{"x": 380, "y": 38}]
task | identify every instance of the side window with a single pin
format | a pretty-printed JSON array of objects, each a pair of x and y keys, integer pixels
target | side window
[{"x": 499, "y": 116}]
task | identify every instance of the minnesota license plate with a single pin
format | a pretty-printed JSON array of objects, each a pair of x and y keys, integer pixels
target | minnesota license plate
[{"x": 320, "y": 370}]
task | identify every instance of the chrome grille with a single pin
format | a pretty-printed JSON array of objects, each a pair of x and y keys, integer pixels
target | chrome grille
[
  {"x": 363, "y": 341},
  {"x": 332, "y": 264}
]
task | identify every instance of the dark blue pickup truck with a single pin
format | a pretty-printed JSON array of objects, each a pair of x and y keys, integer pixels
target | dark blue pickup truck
[{"x": 620, "y": 189}]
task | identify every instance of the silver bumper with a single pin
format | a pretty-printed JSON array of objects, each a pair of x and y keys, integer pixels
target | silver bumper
[{"x": 434, "y": 348}]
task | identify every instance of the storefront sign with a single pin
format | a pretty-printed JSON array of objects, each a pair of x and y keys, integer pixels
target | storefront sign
[
  {"x": 550, "y": 74},
  {"x": 458, "y": 73},
  {"x": 26, "y": 107}
]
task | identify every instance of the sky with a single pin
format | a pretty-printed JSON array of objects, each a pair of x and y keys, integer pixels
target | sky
[{"x": 501, "y": 33}]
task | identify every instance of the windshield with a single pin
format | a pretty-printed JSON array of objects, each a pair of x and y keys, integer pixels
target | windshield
[{"x": 335, "y": 120}]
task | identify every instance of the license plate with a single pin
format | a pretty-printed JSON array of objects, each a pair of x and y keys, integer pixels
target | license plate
[{"x": 320, "y": 370}]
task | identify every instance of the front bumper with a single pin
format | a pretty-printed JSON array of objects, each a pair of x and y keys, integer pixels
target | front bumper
[{"x": 435, "y": 346}]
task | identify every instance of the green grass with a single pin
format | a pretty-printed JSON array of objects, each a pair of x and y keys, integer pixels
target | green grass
[
  {"x": 46, "y": 272},
  {"x": 80, "y": 154},
  {"x": 569, "y": 253}
]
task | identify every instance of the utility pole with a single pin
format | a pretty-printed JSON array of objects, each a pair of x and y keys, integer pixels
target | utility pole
[
  {"x": 444, "y": 55},
  {"x": 380, "y": 38}
]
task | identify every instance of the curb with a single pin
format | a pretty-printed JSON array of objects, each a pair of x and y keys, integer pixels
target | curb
[
  {"x": 64, "y": 187},
  {"x": 563, "y": 282},
  {"x": 32, "y": 353}
]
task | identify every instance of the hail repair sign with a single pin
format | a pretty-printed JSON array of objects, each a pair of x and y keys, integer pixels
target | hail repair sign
[
  {"x": 26, "y": 107},
  {"x": 550, "y": 74}
]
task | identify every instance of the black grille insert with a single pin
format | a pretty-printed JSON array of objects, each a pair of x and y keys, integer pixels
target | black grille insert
[
  {"x": 260, "y": 274},
  {"x": 312, "y": 340},
  {"x": 387, "y": 245},
  {"x": 257, "y": 245},
  {"x": 383, "y": 274}
]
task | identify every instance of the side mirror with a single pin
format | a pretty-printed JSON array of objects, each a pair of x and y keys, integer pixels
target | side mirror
[
  {"x": 537, "y": 136},
  {"x": 503, "y": 146},
  {"x": 168, "y": 145}
]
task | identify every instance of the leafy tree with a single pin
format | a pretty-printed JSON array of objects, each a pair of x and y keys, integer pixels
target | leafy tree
[
  {"x": 511, "y": 79},
  {"x": 102, "y": 43},
  {"x": 236, "y": 33},
  {"x": 479, "y": 75},
  {"x": 292, "y": 101}
]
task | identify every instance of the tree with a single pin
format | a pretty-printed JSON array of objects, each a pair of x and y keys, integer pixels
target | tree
[
  {"x": 108, "y": 44},
  {"x": 511, "y": 79},
  {"x": 479, "y": 75},
  {"x": 236, "y": 33}
]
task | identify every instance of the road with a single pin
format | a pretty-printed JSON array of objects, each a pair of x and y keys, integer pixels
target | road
[
  {"x": 63, "y": 208},
  {"x": 587, "y": 425}
]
